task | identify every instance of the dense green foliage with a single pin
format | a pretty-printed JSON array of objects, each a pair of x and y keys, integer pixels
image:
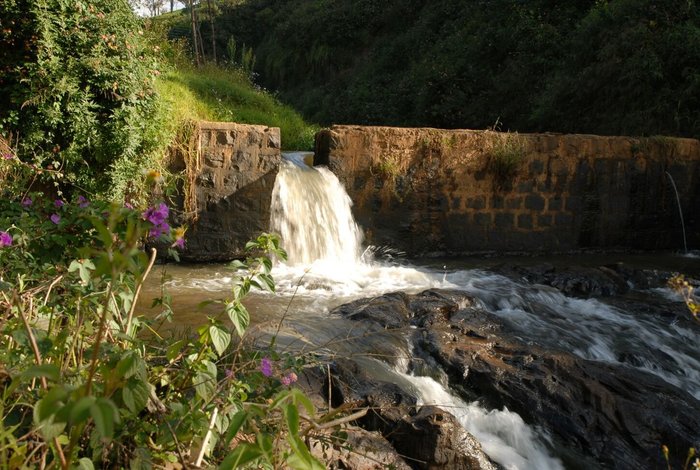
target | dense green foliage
[
  {"x": 92, "y": 96},
  {"x": 607, "y": 67},
  {"x": 76, "y": 92}
]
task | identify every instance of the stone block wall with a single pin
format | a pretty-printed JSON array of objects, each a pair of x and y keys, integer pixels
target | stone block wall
[
  {"x": 233, "y": 174},
  {"x": 430, "y": 191}
]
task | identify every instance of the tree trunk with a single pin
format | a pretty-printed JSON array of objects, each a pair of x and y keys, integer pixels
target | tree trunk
[
  {"x": 213, "y": 38},
  {"x": 172, "y": 5},
  {"x": 195, "y": 35}
]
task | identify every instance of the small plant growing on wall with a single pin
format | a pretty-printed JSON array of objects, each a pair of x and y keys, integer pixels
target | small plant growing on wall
[
  {"x": 388, "y": 168},
  {"x": 505, "y": 152}
]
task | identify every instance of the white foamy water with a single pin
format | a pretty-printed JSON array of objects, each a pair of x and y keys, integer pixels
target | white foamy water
[
  {"x": 311, "y": 212},
  {"x": 590, "y": 328},
  {"x": 503, "y": 435}
]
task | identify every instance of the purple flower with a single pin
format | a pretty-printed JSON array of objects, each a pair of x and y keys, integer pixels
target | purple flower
[
  {"x": 179, "y": 243},
  {"x": 82, "y": 202},
  {"x": 5, "y": 239},
  {"x": 128, "y": 206},
  {"x": 159, "y": 230},
  {"x": 55, "y": 218},
  {"x": 156, "y": 214},
  {"x": 58, "y": 203},
  {"x": 289, "y": 379},
  {"x": 27, "y": 201},
  {"x": 266, "y": 367}
]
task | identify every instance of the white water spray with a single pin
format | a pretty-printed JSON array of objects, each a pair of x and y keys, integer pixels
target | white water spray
[{"x": 312, "y": 213}]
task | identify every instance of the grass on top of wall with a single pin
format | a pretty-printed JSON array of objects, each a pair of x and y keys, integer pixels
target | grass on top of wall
[{"x": 216, "y": 94}]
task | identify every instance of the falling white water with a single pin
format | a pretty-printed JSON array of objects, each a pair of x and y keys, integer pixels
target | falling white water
[{"x": 312, "y": 213}]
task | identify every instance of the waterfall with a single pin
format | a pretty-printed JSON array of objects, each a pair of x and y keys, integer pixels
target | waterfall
[{"x": 312, "y": 213}]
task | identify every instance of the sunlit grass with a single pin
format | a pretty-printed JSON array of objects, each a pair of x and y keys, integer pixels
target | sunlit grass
[{"x": 216, "y": 94}]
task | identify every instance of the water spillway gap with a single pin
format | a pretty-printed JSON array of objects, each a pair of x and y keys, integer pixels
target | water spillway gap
[{"x": 312, "y": 213}]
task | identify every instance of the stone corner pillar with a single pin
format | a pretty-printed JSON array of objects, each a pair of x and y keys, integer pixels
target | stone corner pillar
[{"x": 228, "y": 183}]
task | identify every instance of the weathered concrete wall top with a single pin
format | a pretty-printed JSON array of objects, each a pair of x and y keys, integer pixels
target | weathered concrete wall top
[
  {"x": 459, "y": 191},
  {"x": 231, "y": 174}
]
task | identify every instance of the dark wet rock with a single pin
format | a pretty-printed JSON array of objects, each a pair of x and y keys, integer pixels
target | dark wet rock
[
  {"x": 389, "y": 311},
  {"x": 618, "y": 416},
  {"x": 434, "y": 439},
  {"x": 600, "y": 281},
  {"x": 398, "y": 309}
]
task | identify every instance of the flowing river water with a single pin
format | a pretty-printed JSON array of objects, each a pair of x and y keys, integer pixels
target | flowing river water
[{"x": 328, "y": 266}]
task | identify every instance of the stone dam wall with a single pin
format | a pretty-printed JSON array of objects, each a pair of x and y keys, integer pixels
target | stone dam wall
[
  {"x": 229, "y": 173},
  {"x": 433, "y": 192}
]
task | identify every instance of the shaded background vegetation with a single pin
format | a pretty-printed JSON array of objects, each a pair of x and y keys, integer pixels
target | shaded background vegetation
[{"x": 605, "y": 67}]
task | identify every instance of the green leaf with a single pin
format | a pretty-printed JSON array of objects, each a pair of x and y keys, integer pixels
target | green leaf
[
  {"x": 175, "y": 349},
  {"x": 50, "y": 371},
  {"x": 81, "y": 409},
  {"x": 127, "y": 365},
  {"x": 239, "y": 316},
  {"x": 300, "y": 398},
  {"x": 141, "y": 459},
  {"x": 220, "y": 337},
  {"x": 49, "y": 404},
  {"x": 268, "y": 282},
  {"x": 135, "y": 394},
  {"x": 243, "y": 454},
  {"x": 205, "y": 381},
  {"x": 237, "y": 264},
  {"x": 237, "y": 421},
  {"x": 291, "y": 416},
  {"x": 105, "y": 414},
  {"x": 84, "y": 464}
]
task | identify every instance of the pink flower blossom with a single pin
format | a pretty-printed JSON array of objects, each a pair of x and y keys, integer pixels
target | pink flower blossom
[
  {"x": 5, "y": 239},
  {"x": 289, "y": 379},
  {"x": 179, "y": 243},
  {"x": 8, "y": 156}
]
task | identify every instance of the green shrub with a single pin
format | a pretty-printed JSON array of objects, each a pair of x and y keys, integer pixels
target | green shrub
[{"x": 77, "y": 93}]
